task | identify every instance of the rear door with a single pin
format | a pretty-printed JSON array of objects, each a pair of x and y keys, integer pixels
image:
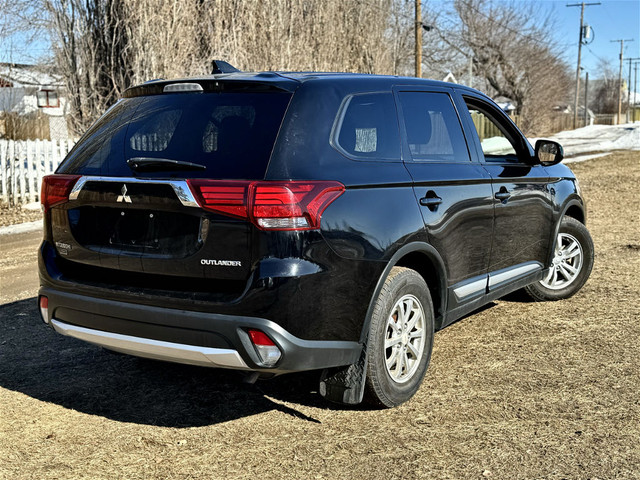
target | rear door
[
  {"x": 454, "y": 192},
  {"x": 521, "y": 194}
]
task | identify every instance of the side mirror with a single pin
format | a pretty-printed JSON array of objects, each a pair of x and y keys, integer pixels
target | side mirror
[{"x": 549, "y": 152}]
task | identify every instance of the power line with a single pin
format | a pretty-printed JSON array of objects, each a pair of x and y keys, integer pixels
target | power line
[
  {"x": 531, "y": 37},
  {"x": 604, "y": 60}
]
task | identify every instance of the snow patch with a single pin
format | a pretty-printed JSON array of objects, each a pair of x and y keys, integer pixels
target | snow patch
[
  {"x": 582, "y": 158},
  {"x": 21, "y": 228},
  {"x": 32, "y": 206},
  {"x": 598, "y": 138}
]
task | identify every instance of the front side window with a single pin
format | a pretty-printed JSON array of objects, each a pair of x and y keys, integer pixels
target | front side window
[
  {"x": 432, "y": 127},
  {"x": 496, "y": 144},
  {"x": 369, "y": 128}
]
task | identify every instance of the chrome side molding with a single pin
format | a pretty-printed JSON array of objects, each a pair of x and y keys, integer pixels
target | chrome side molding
[
  {"x": 471, "y": 288},
  {"x": 474, "y": 287},
  {"x": 511, "y": 273}
]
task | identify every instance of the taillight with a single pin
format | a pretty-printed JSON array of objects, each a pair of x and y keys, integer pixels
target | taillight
[
  {"x": 56, "y": 189},
  {"x": 44, "y": 308},
  {"x": 268, "y": 351},
  {"x": 293, "y": 205},
  {"x": 226, "y": 197}
]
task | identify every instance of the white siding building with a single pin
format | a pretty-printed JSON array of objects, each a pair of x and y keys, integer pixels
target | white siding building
[{"x": 28, "y": 91}]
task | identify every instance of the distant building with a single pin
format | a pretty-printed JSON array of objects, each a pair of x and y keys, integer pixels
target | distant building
[
  {"x": 506, "y": 106},
  {"x": 32, "y": 103},
  {"x": 450, "y": 78}
]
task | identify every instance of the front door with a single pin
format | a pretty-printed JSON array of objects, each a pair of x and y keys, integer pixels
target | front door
[{"x": 521, "y": 196}]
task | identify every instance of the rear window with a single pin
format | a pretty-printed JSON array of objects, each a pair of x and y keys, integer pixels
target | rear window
[
  {"x": 232, "y": 134},
  {"x": 368, "y": 128}
]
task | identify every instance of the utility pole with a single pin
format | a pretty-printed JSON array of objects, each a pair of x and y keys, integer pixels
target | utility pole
[
  {"x": 629, "y": 88},
  {"x": 580, "y": 35},
  {"x": 621, "y": 41},
  {"x": 635, "y": 89},
  {"x": 418, "y": 42},
  {"x": 586, "y": 96}
]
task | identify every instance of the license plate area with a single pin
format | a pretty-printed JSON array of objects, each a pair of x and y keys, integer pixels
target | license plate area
[
  {"x": 139, "y": 232},
  {"x": 136, "y": 230}
]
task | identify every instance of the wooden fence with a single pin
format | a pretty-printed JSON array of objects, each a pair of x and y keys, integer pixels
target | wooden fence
[{"x": 24, "y": 163}]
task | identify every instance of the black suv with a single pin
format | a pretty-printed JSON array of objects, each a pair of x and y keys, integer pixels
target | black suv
[{"x": 282, "y": 222}]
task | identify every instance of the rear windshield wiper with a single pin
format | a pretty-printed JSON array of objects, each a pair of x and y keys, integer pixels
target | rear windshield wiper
[{"x": 147, "y": 164}]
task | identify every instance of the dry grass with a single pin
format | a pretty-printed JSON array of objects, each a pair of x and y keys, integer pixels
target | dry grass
[{"x": 519, "y": 390}]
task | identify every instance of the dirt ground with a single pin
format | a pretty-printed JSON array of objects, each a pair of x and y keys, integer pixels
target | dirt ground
[
  {"x": 518, "y": 390},
  {"x": 17, "y": 214}
]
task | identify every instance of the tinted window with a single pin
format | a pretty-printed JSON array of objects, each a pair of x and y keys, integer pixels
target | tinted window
[
  {"x": 433, "y": 128},
  {"x": 91, "y": 154},
  {"x": 232, "y": 134},
  {"x": 496, "y": 145},
  {"x": 369, "y": 128}
]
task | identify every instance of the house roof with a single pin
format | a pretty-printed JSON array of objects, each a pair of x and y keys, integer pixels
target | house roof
[{"x": 20, "y": 75}]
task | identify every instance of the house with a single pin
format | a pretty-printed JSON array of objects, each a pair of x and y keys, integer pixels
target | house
[
  {"x": 505, "y": 105},
  {"x": 450, "y": 78},
  {"x": 32, "y": 103}
]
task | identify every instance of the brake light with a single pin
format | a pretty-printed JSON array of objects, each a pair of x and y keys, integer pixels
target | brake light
[
  {"x": 227, "y": 197},
  {"x": 293, "y": 205},
  {"x": 56, "y": 189}
]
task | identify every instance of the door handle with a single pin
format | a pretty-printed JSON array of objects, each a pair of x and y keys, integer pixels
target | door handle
[
  {"x": 431, "y": 200},
  {"x": 503, "y": 194}
]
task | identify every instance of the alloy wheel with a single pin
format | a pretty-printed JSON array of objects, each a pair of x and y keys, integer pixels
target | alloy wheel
[
  {"x": 566, "y": 263},
  {"x": 404, "y": 339}
]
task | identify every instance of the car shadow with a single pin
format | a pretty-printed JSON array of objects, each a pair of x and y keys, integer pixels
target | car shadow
[
  {"x": 37, "y": 362},
  {"x": 519, "y": 296}
]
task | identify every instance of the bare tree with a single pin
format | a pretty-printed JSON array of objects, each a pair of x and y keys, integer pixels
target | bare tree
[
  {"x": 604, "y": 98},
  {"x": 512, "y": 52},
  {"x": 92, "y": 52},
  {"x": 104, "y": 46}
]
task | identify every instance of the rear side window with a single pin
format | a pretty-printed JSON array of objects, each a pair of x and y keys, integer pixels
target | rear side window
[
  {"x": 368, "y": 128},
  {"x": 432, "y": 127},
  {"x": 232, "y": 134}
]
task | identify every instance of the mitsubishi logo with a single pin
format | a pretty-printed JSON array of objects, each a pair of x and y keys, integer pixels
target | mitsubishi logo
[{"x": 124, "y": 197}]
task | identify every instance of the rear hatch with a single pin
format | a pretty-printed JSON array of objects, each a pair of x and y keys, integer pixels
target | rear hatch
[{"x": 139, "y": 176}]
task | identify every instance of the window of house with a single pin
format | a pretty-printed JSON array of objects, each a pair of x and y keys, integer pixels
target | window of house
[{"x": 48, "y": 99}]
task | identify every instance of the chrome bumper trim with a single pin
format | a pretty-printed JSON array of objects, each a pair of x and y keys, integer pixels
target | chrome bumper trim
[
  {"x": 156, "y": 349},
  {"x": 180, "y": 187}
]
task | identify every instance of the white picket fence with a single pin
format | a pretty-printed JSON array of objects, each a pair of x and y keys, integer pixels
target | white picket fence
[{"x": 23, "y": 163}]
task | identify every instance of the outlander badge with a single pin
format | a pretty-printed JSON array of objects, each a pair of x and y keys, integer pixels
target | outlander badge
[{"x": 124, "y": 197}]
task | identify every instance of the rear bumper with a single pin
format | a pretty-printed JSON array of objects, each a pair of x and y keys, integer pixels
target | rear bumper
[
  {"x": 145, "y": 347},
  {"x": 189, "y": 337}
]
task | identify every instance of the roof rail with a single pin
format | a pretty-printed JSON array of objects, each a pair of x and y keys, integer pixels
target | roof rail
[{"x": 222, "y": 67}]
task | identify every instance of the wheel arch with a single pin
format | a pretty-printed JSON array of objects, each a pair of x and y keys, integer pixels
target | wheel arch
[
  {"x": 573, "y": 208},
  {"x": 424, "y": 259}
]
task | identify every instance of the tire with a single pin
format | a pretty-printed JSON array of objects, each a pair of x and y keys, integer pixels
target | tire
[
  {"x": 395, "y": 372},
  {"x": 573, "y": 251}
]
